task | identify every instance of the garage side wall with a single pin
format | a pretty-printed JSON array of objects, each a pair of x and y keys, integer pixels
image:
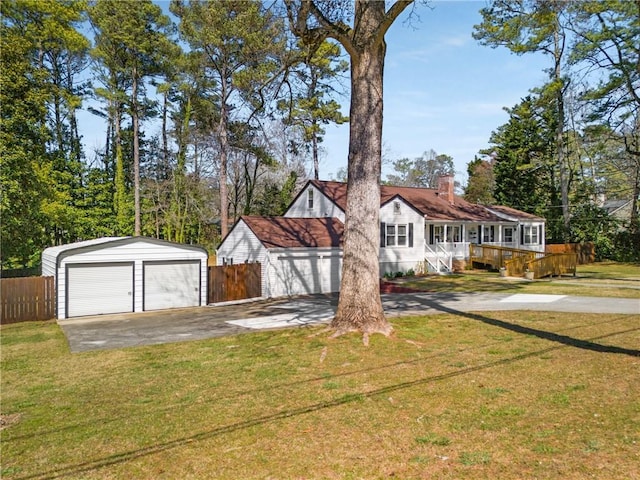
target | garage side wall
[
  {"x": 303, "y": 271},
  {"x": 136, "y": 253}
]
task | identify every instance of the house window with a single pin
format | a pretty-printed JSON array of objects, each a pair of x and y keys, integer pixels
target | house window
[
  {"x": 391, "y": 235},
  {"x": 396, "y": 208},
  {"x": 438, "y": 233},
  {"x": 530, "y": 234},
  {"x": 396, "y": 235},
  {"x": 402, "y": 235},
  {"x": 507, "y": 235},
  {"x": 488, "y": 233},
  {"x": 457, "y": 233},
  {"x": 310, "y": 199}
]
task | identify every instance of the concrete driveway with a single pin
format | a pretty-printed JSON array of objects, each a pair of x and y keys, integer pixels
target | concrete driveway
[{"x": 148, "y": 328}]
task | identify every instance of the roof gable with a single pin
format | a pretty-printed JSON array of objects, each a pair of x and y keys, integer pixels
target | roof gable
[{"x": 292, "y": 232}]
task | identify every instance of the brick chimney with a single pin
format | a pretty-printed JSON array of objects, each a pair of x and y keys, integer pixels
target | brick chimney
[{"x": 445, "y": 188}]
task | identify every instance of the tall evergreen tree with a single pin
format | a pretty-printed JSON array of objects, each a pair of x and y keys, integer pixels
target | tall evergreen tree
[
  {"x": 481, "y": 181},
  {"x": 525, "y": 26},
  {"x": 39, "y": 144},
  {"x": 311, "y": 104},
  {"x": 238, "y": 44},
  {"x": 132, "y": 38}
]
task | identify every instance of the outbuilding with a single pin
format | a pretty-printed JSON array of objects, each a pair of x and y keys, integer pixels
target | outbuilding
[
  {"x": 299, "y": 256},
  {"x": 125, "y": 274}
]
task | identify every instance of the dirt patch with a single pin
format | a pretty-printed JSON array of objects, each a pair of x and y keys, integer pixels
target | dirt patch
[
  {"x": 8, "y": 420},
  {"x": 389, "y": 287}
]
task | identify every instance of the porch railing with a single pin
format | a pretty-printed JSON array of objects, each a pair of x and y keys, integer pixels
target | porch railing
[
  {"x": 554, "y": 264},
  {"x": 438, "y": 258}
]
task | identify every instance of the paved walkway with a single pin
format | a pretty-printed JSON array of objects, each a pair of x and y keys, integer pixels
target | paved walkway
[{"x": 147, "y": 328}]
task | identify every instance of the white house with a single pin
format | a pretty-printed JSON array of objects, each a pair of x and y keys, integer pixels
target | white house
[
  {"x": 125, "y": 274},
  {"x": 421, "y": 229},
  {"x": 298, "y": 255}
]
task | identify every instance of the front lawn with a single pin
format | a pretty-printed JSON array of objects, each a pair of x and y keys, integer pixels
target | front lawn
[
  {"x": 506, "y": 395},
  {"x": 605, "y": 279}
]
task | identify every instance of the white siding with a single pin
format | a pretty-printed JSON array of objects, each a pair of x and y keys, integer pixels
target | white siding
[
  {"x": 402, "y": 258},
  {"x": 285, "y": 271},
  {"x": 322, "y": 206},
  {"x": 240, "y": 246},
  {"x": 302, "y": 271},
  {"x": 135, "y": 250}
]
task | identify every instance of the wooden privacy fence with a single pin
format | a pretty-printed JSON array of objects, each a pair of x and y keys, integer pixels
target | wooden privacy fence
[
  {"x": 25, "y": 299},
  {"x": 234, "y": 282},
  {"x": 586, "y": 252}
]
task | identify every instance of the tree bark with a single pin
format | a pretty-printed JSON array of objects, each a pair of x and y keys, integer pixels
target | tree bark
[
  {"x": 360, "y": 306},
  {"x": 560, "y": 150},
  {"x": 224, "y": 147},
  {"x": 135, "y": 120}
]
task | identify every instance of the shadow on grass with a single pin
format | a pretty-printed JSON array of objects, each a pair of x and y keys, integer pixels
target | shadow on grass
[
  {"x": 552, "y": 337},
  {"x": 561, "y": 341}
]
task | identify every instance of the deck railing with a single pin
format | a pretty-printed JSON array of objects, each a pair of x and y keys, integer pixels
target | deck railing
[
  {"x": 497, "y": 257},
  {"x": 554, "y": 264}
]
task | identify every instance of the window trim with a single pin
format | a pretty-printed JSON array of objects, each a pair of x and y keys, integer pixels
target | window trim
[{"x": 390, "y": 235}]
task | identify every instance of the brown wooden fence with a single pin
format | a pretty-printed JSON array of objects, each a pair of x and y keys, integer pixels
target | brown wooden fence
[
  {"x": 234, "y": 282},
  {"x": 586, "y": 252},
  {"x": 25, "y": 299}
]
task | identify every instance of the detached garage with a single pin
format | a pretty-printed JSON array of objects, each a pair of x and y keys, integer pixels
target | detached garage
[
  {"x": 299, "y": 256},
  {"x": 125, "y": 274}
]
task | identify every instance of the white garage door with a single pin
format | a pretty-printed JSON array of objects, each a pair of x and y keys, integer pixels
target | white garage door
[
  {"x": 304, "y": 275},
  {"x": 171, "y": 284},
  {"x": 95, "y": 289}
]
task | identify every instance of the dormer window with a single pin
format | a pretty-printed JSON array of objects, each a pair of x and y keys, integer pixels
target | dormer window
[{"x": 310, "y": 199}]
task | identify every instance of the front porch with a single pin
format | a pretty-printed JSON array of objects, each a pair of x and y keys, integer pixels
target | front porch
[{"x": 450, "y": 243}]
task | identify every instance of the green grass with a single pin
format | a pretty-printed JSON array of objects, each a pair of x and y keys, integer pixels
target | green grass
[
  {"x": 605, "y": 279},
  {"x": 446, "y": 397}
]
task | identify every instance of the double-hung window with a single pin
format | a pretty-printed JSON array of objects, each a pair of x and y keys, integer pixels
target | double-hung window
[
  {"x": 397, "y": 235},
  {"x": 530, "y": 234},
  {"x": 507, "y": 235}
]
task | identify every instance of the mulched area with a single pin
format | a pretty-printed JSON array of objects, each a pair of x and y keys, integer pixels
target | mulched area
[{"x": 389, "y": 287}]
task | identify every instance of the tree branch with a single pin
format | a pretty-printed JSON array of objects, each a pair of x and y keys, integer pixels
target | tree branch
[{"x": 394, "y": 12}]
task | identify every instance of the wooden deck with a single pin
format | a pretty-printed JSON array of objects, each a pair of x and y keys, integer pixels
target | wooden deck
[{"x": 517, "y": 261}]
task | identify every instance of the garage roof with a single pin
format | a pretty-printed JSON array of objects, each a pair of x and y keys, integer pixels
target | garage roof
[
  {"x": 60, "y": 251},
  {"x": 286, "y": 232}
]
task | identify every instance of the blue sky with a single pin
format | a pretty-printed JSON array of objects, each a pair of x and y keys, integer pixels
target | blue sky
[{"x": 442, "y": 89}]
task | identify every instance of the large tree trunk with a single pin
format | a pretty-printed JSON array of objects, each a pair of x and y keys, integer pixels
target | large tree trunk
[
  {"x": 135, "y": 120},
  {"x": 223, "y": 127},
  {"x": 360, "y": 307}
]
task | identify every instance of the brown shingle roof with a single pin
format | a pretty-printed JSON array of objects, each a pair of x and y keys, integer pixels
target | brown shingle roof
[
  {"x": 512, "y": 212},
  {"x": 286, "y": 232},
  {"x": 426, "y": 201}
]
